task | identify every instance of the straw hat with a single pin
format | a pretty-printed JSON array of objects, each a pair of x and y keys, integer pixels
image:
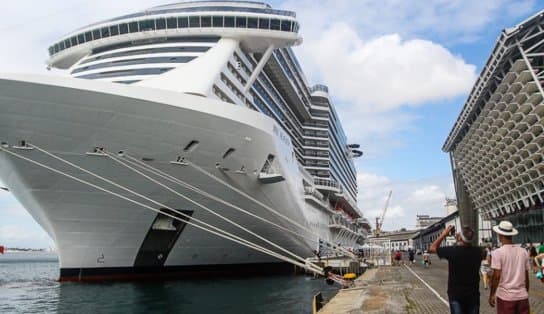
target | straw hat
[{"x": 506, "y": 228}]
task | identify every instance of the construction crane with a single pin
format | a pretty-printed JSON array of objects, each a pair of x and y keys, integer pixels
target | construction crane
[{"x": 379, "y": 221}]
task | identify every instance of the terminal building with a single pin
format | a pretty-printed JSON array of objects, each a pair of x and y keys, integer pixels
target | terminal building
[
  {"x": 497, "y": 143},
  {"x": 423, "y": 221}
]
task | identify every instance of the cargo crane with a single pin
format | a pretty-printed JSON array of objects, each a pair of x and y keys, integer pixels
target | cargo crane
[{"x": 379, "y": 221}]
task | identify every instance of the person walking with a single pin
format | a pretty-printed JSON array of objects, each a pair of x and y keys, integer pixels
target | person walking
[
  {"x": 426, "y": 259},
  {"x": 532, "y": 254},
  {"x": 398, "y": 257},
  {"x": 510, "y": 281},
  {"x": 464, "y": 262},
  {"x": 485, "y": 269},
  {"x": 539, "y": 261},
  {"x": 411, "y": 255}
]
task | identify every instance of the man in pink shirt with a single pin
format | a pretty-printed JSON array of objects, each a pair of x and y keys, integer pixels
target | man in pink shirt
[{"x": 510, "y": 281}]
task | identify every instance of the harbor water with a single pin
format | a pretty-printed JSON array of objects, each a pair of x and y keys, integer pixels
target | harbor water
[{"x": 28, "y": 284}]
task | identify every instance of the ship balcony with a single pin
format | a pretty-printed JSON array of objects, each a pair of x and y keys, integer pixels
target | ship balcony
[
  {"x": 327, "y": 184},
  {"x": 340, "y": 223},
  {"x": 315, "y": 197},
  {"x": 285, "y": 82}
]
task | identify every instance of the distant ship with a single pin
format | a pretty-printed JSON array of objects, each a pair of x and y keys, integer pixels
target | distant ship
[{"x": 175, "y": 121}]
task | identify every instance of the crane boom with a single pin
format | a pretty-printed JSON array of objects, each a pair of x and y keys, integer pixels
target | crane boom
[
  {"x": 379, "y": 221},
  {"x": 385, "y": 207}
]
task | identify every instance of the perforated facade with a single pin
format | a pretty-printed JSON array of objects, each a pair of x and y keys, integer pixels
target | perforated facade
[{"x": 497, "y": 142}]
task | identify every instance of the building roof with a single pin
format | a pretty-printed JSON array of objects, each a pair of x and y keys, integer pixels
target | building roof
[
  {"x": 437, "y": 225},
  {"x": 507, "y": 45}
]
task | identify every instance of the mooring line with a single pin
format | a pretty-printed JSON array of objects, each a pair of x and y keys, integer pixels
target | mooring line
[{"x": 220, "y": 233}]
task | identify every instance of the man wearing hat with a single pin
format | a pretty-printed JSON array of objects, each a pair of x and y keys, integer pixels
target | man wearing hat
[
  {"x": 510, "y": 281},
  {"x": 464, "y": 262}
]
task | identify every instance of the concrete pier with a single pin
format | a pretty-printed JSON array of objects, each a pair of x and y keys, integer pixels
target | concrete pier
[{"x": 411, "y": 288}]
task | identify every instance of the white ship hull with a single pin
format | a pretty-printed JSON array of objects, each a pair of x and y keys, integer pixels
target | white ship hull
[{"x": 98, "y": 234}]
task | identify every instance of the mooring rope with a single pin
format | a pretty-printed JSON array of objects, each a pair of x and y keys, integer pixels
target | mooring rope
[
  {"x": 332, "y": 245},
  {"x": 173, "y": 179},
  {"x": 110, "y": 155},
  {"x": 166, "y": 176},
  {"x": 220, "y": 233}
]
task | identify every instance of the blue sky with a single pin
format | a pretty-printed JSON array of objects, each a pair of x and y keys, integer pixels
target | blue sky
[{"x": 398, "y": 71}]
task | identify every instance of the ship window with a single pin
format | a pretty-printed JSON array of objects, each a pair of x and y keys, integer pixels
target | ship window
[
  {"x": 229, "y": 21},
  {"x": 206, "y": 21},
  {"x": 285, "y": 26},
  {"x": 51, "y": 50},
  {"x": 96, "y": 34},
  {"x": 252, "y": 22},
  {"x": 114, "y": 30},
  {"x": 275, "y": 24},
  {"x": 105, "y": 32},
  {"x": 123, "y": 28},
  {"x": 61, "y": 45},
  {"x": 133, "y": 26},
  {"x": 161, "y": 23},
  {"x": 191, "y": 146},
  {"x": 264, "y": 23},
  {"x": 74, "y": 41},
  {"x": 135, "y": 61},
  {"x": 80, "y": 39},
  {"x": 241, "y": 21},
  {"x": 171, "y": 22},
  {"x": 182, "y": 22},
  {"x": 88, "y": 36},
  {"x": 67, "y": 43},
  {"x": 194, "y": 21},
  {"x": 217, "y": 21},
  {"x": 56, "y": 48},
  {"x": 147, "y": 71},
  {"x": 147, "y": 25}
]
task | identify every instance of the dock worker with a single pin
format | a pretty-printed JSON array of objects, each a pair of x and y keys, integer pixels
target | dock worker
[
  {"x": 464, "y": 262},
  {"x": 510, "y": 281}
]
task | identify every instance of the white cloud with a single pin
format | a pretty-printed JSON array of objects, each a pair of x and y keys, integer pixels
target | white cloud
[
  {"x": 409, "y": 198},
  {"x": 29, "y": 27},
  {"x": 454, "y": 20},
  {"x": 381, "y": 57},
  {"x": 365, "y": 180},
  {"x": 428, "y": 193},
  {"x": 386, "y": 72},
  {"x": 373, "y": 81}
]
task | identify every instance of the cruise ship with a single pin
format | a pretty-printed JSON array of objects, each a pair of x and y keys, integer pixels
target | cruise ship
[{"x": 183, "y": 140}]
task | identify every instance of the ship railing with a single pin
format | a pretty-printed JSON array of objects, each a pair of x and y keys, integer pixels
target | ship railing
[
  {"x": 310, "y": 190},
  {"x": 319, "y": 87},
  {"x": 327, "y": 182}
]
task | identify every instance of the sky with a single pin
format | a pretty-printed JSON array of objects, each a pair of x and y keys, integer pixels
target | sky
[{"x": 398, "y": 72}]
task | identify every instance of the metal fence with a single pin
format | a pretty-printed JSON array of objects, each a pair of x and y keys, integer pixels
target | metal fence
[{"x": 378, "y": 251}]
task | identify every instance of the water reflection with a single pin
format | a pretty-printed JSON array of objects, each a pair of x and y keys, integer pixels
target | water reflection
[{"x": 29, "y": 284}]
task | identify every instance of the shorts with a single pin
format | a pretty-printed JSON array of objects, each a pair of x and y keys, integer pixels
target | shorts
[
  {"x": 484, "y": 269},
  {"x": 521, "y": 306}
]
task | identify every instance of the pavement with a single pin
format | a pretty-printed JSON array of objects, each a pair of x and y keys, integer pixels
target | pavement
[{"x": 411, "y": 288}]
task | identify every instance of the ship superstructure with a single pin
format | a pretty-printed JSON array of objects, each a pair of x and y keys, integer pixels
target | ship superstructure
[{"x": 207, "y": 92}]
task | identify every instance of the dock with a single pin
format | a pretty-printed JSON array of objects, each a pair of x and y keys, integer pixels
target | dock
[{"x": 411, "y": 288}]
